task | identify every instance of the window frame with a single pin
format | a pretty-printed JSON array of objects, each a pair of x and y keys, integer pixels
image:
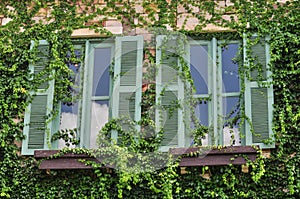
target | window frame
[
  {"x": 252, "y": 83},
  {"x": 215, "y": 91},
  {"x": 87, "y": 95},
  {"x": 215, "y": 105}
]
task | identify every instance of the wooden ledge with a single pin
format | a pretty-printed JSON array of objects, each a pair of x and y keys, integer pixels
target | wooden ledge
[
  {"x": 65, "y": 161},
  {"x": 196, "y": 156},
  {"x": 236, "y": 155}
]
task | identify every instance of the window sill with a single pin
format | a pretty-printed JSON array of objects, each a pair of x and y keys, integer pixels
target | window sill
[
  {"x": 236, "y": 155},
  {"x": 65, "y": 161}
]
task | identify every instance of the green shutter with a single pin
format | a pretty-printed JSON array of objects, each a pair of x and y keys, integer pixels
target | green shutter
[
  {"x": 169, "y": 63},
  {"x": 259, "y": 114},
  {"x": 127, "y": 104},
  {"x": 169, "y": 94},
  {"x": 40, "y": 64},
  {"x": 127, "y": 85},
  {"x": 170, "y": 119},
  {"x": 37, "y": 127},
  {"x": 259, "y": 97},
  {"x": 259, "y": 54}
]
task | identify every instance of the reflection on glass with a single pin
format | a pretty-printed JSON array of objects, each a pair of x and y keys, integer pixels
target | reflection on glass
[
  {"x": 102, "y": 61},
  {"x": 230, "y": 106},
  {"x": 68, "y": 120},
  {"x": 199, "y": 68},
  {"x": 204, "y": 141},
  {"x": 69, "y": 109},
  {"x": 231, "y": 134},
  {"x": 230, "y": 75},
  {"x": 201, "y": 111},
  {"x": 99, "y": 116}
]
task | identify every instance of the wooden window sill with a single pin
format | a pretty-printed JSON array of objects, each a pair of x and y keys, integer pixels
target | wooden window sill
[
  {"x": 236, "y": 155},
  {"x": 215, "y": 157},
  {"x": 66, "y": 161}
]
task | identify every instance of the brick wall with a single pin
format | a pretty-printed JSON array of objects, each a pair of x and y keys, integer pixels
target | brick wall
[{"x": 184, "y": 20}]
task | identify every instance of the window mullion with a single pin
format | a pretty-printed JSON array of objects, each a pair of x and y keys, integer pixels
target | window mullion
[
  {"x": 215, "y": 105},
  {"x": 219, "y": 91},
  {"x": 86, "y": 96}
]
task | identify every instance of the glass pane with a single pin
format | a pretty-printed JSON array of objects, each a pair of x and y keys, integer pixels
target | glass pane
[
  {"x": 231, "y": 134},
  {"x": 230, "y": 75},
  {"x": 99, "y": 116},
  {"x": 68, "y": 120},
  {"x": 201, "y": 111},
  {"x": 199, "y": 68},
  {"x": 69, "y": 109},
  {"x": 101, "y": 80},
  {"x": 230, "y": 106},
  {"x": 204, "y": 141},
  {"x": 69, "y": 113},
  {"x": 75, "y": 75}
]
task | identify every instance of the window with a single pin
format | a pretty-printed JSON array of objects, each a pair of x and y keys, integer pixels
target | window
[
  {"x": 97, "y": 94},
  {"x": 215, "y": 72},
  {"x": 216, "y": 76},
  {"x": 217, "y": 82},
  {"x": 108, "y": 84}
]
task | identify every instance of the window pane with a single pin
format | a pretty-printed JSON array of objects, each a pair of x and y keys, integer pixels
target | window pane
[
  {"x": 230, "y": 73},
  {"x": 231, "y": 134},
  {"x": 69, "y": 109},
  {"x": 99, "y": 116},
  {"x": 199, "y": 68},
  {"x": 201, "y": 111},
  {"x": 69, "y": 114},
  {"x": 68, "y": 120},
  {"x": 102, "y": 61},
  {"x": 230, "y": 106}
]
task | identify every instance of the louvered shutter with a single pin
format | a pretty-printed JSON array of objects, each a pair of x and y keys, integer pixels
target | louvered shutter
[
  {"x": 127, "y": 89},
  {"x": 258, "y": 95},
  {"x": 169, "y": 94},
  {"x": 37, "y": 127}
]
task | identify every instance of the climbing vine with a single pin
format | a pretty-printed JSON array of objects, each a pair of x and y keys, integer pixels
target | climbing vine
[{"x": 54, "y": 21}]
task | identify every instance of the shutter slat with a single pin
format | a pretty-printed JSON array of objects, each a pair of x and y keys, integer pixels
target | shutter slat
[
  {"x": 259, "y": 53},
  {"x": 41, "y": 63},
  {"x": 259, "y": 113},
  {"x": 170, "y": 126},
  {"x": 258, "y": 97},
  {"x": 128, "y": 63},
  {"x": 127, "y": 104},
  {"x": 35, "y": 120},
  {"x": 169, "y": 92},
  {"x": 169, "y": 62},
  {"x": 127, "y": 91}
]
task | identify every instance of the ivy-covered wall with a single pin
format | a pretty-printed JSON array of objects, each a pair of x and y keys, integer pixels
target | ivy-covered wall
[{"x": 58, "y": 21}]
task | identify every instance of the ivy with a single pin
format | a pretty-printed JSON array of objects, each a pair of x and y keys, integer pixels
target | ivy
[{"x": 54, "y": 21}]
